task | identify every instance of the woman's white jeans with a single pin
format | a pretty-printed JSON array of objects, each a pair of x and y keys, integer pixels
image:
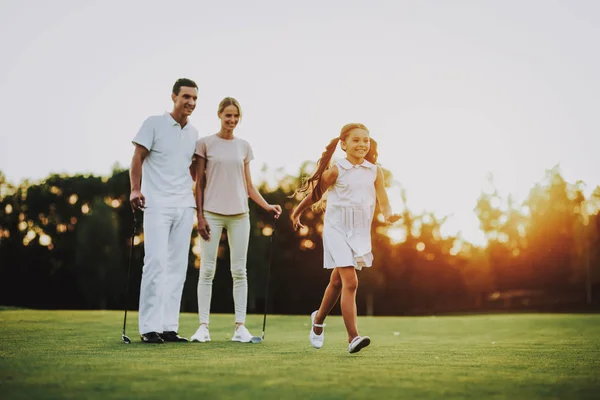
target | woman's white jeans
[
  {"x": 238, "y": 235},
  {"x": 167, "y": 240}
]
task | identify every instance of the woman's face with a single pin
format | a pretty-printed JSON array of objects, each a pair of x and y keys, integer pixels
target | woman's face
[{"x": 230, "y": 116}]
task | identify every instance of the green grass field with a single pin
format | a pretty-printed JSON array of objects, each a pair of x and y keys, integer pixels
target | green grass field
[{"x": 80, "y": 355}]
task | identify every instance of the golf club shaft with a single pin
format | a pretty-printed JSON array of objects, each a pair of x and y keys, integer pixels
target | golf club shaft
[
  {"x": 268, "y": 278},
  {"x": 129, "y": 271}
]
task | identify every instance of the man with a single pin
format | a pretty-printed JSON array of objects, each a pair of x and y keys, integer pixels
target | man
[{"x": 162, "y": 162}]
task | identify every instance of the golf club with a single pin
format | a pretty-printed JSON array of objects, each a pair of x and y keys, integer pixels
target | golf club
[
  {"x": 125, "y": 338},
  {"x": 257, "y": 339}
]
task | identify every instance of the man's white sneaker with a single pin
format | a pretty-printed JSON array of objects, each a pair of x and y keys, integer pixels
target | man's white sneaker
[
  {"x": 241, "y": 334},
  {"x": 201, "y": 335},
  {"x": 358, "y": 343},
  {"x": 316, "y": 340}
]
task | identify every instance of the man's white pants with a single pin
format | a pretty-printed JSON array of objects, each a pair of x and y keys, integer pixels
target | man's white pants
[
  {"x": 167, "y": 239},
  {"x": 238, "y": 236}
]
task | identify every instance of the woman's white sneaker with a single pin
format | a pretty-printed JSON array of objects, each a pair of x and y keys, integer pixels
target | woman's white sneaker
[
  {"x": 358, "y": 343},
  {"x": 316, "y": 340},
  {"x": 241, "y": 334},
  {"x": 202, "y": 335}
]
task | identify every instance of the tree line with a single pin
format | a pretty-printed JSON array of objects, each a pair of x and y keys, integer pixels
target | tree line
[{"x": 65, "y": 244}]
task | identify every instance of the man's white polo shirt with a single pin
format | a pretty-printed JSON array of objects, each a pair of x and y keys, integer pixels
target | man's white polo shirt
[{"x": 166, "y": 180}]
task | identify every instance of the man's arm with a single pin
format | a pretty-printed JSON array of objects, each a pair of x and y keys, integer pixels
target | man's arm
[
  {"x": 193, "y": 167},
  {"x": 136, "y": 198},
  {"x": 200, "y": 165},
  {"x": 203, "y": 227}
]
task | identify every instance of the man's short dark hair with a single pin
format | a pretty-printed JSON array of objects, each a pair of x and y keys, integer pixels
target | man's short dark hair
[{"x": 183, "y": 82}]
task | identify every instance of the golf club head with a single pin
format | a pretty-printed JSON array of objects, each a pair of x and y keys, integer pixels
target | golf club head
[
  {"x": 256, "y": 339},
  {"x": 126, "y": 339}
]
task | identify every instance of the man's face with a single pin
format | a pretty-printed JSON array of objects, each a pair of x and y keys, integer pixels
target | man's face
[{"x": 185, "y": 101}]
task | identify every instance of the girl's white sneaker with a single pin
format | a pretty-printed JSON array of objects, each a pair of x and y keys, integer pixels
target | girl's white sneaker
[
  {"x": 316, "y": 340},
  {"x": 358, "y": 343}
]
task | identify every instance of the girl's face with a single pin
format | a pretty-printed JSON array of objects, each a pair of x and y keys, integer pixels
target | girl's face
[
  {"x": 357, "y": 144},
  {"x": 230, "y": 116}
]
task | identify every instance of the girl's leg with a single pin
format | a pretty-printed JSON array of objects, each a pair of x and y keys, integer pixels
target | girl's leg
[
  {"x": 238, "y": 235},
  {"x": 208, "y": 265},
  {"x": 330, "y": 297},
  {"x": 348, "y": 303}
]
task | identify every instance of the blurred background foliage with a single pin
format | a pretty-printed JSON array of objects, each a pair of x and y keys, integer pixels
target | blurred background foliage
[{"x": 64, "y": 244}]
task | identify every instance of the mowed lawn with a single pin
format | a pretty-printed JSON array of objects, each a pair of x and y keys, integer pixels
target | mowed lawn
[{"x": 80, "y": 355}]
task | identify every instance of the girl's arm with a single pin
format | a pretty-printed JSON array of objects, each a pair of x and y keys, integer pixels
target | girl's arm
[
  {"x": 257, "y": 197},
  {"x": 329, "y": 177},
  {"x": 382, "y": 198}
]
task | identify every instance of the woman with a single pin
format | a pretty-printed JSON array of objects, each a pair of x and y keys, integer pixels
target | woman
[{"x": 223, "y": 185}]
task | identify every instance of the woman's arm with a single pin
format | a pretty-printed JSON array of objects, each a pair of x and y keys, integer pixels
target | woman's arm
[
  {"x": 256, "y": 196},
  {"x": 329, "y": 177}
]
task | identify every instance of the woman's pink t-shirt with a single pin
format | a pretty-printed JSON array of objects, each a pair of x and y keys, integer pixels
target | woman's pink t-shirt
[{"x": 226, "y": 190}]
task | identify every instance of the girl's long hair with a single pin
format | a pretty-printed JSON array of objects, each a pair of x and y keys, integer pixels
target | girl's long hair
[{"x": 313, "y": 184}]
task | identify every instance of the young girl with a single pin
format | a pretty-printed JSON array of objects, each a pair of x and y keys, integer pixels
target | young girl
[
  {"x": 223, "y": 185},
  {"x": 355, "y": 183}
]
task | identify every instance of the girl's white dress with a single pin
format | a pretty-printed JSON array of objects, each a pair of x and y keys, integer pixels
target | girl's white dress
[{"x": 348, "y": 216}]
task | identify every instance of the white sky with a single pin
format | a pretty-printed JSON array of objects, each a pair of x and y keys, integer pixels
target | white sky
[{"x": 452, "y": 90}]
